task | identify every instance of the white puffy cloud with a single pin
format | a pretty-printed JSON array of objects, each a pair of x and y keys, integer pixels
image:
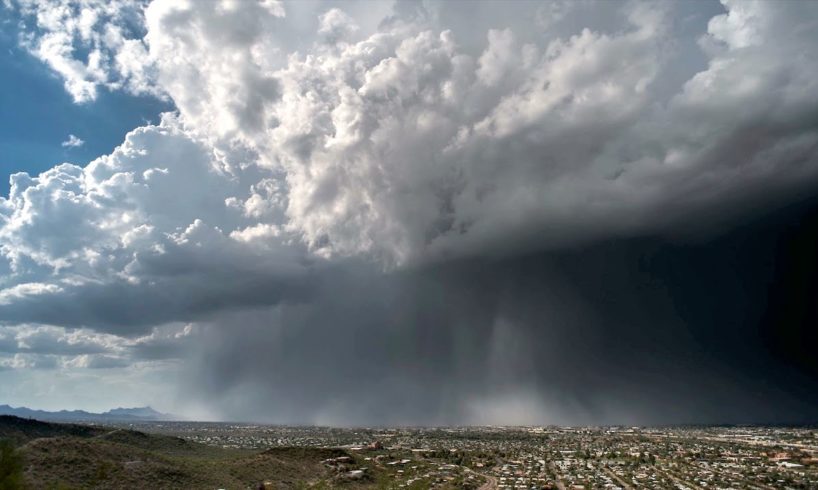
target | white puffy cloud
[
  {"x": 26, "y": 289},
  {"x": 89, "y": 43},
  {"x": 42, "y": 339},
  {"x": 72, "y": 142},
  {"x": 89, "y": 361},
  {"x": 335, "y": 25},
  {"x": 26, "y": 361},
  {"x": 403, "y": 147},
  {"x": 46, "y": 346},
  {"x": 151, "y": 220},
  {"x": 214, "y": 59}
]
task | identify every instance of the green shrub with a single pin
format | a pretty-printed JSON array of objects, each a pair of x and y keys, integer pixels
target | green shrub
[{"x": 11, "y": 467}]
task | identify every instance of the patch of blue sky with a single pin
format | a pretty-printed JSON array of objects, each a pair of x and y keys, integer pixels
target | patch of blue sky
[{"x": 37, "y": 115}]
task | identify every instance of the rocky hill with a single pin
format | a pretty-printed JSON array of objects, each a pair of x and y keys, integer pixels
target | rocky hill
[{"x": 72, "y": 456}]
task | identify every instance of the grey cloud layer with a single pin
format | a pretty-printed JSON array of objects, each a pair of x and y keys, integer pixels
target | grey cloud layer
[
  {"x": 364, "y": 144},
  {"x": 49, "y": 347}
]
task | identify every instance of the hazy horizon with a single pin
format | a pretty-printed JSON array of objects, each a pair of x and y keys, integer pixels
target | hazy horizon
[{"x": 171, "y": 418}]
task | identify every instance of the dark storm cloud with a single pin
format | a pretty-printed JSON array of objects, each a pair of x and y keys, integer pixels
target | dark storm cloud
[
  {"x": 520, "y": 215},
  {"x": 405, "y": 148},
  {"x": 127, "y": 309},
  {"x": 635, "y": 331}
]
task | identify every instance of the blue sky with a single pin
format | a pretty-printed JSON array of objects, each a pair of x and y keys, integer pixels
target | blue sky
[{"x": 38, "y": 115}]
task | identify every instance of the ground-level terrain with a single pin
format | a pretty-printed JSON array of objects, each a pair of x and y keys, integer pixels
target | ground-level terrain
[{"x": 239, "y": 456}]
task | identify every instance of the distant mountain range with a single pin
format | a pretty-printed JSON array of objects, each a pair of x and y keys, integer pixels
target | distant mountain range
[{"x": 115, "y": 415}]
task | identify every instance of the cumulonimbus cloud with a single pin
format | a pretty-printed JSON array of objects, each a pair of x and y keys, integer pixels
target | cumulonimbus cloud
[
  {"x": 395, "y": 146},
  {"x": 399, "y": 145}
]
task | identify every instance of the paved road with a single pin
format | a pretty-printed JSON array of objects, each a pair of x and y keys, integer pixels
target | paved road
[
  {"x": 684, "y": 483},
  {"x": 491, "y": 482},
  {"x": 557, "y": 481},
  {"x": 616, "y": 478}
]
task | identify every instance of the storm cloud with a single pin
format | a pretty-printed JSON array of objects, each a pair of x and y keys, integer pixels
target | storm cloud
[
  {"x": 634, "y": 331},
  {"x": 406, "y": 215}
]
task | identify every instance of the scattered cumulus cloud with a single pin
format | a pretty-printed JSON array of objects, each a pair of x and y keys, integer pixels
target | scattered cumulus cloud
[
  {"x": 89, "y": 43},
  {"x": 50, "y": 347},
  {"x": 72, "y": 142}
]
